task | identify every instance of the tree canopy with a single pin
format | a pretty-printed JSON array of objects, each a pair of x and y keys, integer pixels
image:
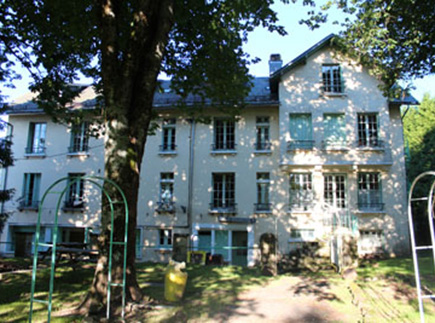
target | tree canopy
[{"x": 395, "y": 38}]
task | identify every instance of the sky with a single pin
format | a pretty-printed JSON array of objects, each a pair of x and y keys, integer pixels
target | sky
[{"x": 262, "y": 43}]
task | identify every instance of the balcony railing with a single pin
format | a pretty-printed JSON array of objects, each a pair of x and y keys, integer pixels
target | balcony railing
[
  {"x": 334, "y": 144},
  {"x": 300, "y": 206},
  {"x": 167, "y": 148},
  {"x": 262, "y": 207},
  {"x": 73, "y": 205},
  {"x": 35, "y": 150},
  {"x": 262, "y": 146},
  {"x": 300, "y": 145},
  {"x": 223, "y": 208},
  {"x": 368, "y": 206},
  {"x": 78, "y": 149},
  {"x": 370, "y": 143},
  {"x": 28, "y": 205},
  {"x": 227, "y": 146},
  {"x": 165, "y": 207}
]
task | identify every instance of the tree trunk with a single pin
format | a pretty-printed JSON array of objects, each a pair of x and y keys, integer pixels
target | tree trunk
[{"x": 129, "y": 82}]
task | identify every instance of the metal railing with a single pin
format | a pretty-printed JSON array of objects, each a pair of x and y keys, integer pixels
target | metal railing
[
  {"x": 168, "y": 148},
  {"x": 224, "y": 146},
  {"x": 262, "y": 207},
  {"x": 300, "y": 145},
  {"x": 226, "y": 208},
  {"x": 165, "y": 207},
  {"x": 262, "y": 146},
  {"x": 35, "y": 150},
  {"x": 371, "y": 206}
]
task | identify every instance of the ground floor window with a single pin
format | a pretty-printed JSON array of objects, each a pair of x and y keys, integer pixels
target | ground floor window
[
  {"x": 370, "y": 242},
  {"x": 231, "y": 244}
]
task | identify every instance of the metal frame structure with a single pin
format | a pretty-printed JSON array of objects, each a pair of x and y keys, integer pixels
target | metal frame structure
[
  {"x": 96, "y": 180},
  {"x": 415, "y": 248}
]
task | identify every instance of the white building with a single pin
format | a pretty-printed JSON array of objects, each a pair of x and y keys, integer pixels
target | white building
[{"x": 317, "y": 144}]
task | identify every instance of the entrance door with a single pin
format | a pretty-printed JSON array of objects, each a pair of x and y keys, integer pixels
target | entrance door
[
  {"x": 240, "y": 248},
  {"x": 23, "y": 244}
]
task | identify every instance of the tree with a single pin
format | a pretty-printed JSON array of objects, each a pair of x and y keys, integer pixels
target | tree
[
  {"x": 124, "y": 45},
  {"x": 6, "y": 160},
  {"x": 394, "y": 38},
  {"x": 419, "y": 130}
]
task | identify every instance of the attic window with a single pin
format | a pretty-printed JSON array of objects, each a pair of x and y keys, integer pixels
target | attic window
[{"x": 332, "y": 79}]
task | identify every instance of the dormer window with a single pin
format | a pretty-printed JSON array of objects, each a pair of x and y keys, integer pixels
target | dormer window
[{"x": 332, "y": 79}]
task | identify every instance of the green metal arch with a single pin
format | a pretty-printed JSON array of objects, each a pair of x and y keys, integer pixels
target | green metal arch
[{"x": 50, "y": 190}]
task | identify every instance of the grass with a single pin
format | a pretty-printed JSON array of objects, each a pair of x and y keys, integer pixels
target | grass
[{"x": 384, "y": 291}]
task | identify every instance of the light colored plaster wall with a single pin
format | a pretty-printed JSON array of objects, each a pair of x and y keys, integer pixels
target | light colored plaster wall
[
  {"x": 300, "y": 92},
  {"x": 55, "y": 165}
]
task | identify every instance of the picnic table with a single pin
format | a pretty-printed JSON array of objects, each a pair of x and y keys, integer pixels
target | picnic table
[{"x": 73, "y": 250}]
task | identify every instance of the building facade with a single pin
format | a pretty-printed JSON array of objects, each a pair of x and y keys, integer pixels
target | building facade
[{"x": 317, "y": 147}]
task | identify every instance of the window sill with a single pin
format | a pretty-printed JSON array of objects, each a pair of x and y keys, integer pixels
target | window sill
[
  {"x": 335, "y": 149},
  {"x": 163, "y": 250},
  {"x": 28, "y": 208},
  {"x": 78, "y": 154},
  {"x": 263, "y": 152},
  {"x": 334, "y": 94},
  {"x": 40, "y": 155},
  {"x": 168, "y": 153},
  {"x": 301, "y": 240},
  {"x": 73, "y": 209},
  {"x": 222, "y": 211},
  {"x": 367, "y": 148},
  {"x": 223, "y": 152},
  {"x": 368, "y": 212}
]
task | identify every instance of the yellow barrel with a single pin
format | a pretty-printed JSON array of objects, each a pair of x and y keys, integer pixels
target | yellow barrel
[{"x": 175, "y": 283}]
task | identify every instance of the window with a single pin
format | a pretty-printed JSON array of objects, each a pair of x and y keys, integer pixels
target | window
[
  {"x": 223, "y": 195},
  {"x": 301, "y": 192},
  {"x": 165, "y": 238},
  {"x": 301, "y": 132},
  {"x": 368, "y": 130},
  {"x": 224, "y": 135},
  {"x": 334, "y": 131},
  {"x": 370, "y": 242},
  {"x": 263, "y": 187},
  {"x": 302, "y": 235},
  {"x": 166, "y": 202},
  {"x": 168, "y": 133},
  {"x": 75, "y": 193},
  {"x": 335, "y": 191},
  {"x": 263, "y": 142},
  {"x": 30, "y": 199},
  {"x": 79, "y": 138},
  {"x": 332, "y": 79},
  {"x": 36, "y": 139},
  {"x": 370, "y": 191}
]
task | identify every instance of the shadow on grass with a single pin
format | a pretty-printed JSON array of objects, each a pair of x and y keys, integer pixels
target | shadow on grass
[
  {"x": 70, "y": 285},
  {"x": 209, "y": 291}
]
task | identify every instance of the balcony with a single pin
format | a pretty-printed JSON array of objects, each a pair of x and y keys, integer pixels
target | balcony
[
  {"x": 262, "y": 147},
  {"x": 223, "y": 208},
  {"x": 301, "y": 206},
  {"x": 73, "y": 205},
  {"x": 335, "y": 145},
  {"x": 168, "y": 149},
  {"x": 370, "y": 143},
  {"x": 300, "y": 145},
  {"x": 37, "y": 151},
  {"x": 78, "y": 150},
  {"x": 165, "y": 207},
  {"x": 370, "y": 207},
  {"x": 223, "y": 148},
  {"x": 262, "y": 207},
  {"x": 28, "y": 206}
]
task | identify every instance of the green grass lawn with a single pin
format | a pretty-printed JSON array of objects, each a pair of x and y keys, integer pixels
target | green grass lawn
[{"x": 384, "y": 291}]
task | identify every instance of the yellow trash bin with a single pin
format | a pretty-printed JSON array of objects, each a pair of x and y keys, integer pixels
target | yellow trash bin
[{"x": 175, "y": 281}]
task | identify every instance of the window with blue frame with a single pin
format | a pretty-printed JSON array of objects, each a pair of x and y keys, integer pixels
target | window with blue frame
[{"x": 301, "y": 131}]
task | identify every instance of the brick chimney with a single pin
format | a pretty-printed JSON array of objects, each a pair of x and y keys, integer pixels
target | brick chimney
[{"x": 275, "y": 63}]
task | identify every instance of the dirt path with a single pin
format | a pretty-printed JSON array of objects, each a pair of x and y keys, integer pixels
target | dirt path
[{"x": 288, "y": 299}]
